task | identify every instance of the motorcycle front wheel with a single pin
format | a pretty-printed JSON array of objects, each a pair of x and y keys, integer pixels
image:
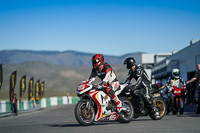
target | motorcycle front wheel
[
  {"x": 127, "y": 112},
  {"x": 175, "y": 106},
  {"x": 84, "y": 115},
  {"x": 160, "y": 105},
  {"x": 181, "y": 106}
]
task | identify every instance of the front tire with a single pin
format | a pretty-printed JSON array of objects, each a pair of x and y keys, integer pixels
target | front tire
[
  {"x": 174, "y": 110},
  {"x": 85, "y": 116},
  {"x": 126, "y": 115},
  {"x": 175, "y": 107},
  {"x": 181, "y": 106}
]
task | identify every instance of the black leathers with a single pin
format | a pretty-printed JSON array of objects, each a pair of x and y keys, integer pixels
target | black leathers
[{"x": 142, "y": 82}]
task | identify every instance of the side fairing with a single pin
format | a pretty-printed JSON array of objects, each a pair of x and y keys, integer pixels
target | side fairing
[{"x": 102, "y": 101}]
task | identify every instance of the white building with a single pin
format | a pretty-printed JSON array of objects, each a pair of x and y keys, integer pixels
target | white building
[
  {"x": 148, "y": 61},
  {"x": 185, "y": 60}
]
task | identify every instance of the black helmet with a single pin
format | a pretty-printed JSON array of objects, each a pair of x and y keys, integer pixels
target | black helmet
[{"x": 129, "y": 62}]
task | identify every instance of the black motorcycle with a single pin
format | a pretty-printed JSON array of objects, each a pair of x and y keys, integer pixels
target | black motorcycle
[{"x": 139, "y": 104}]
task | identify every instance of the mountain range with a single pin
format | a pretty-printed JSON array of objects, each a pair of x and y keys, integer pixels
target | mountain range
[
  {"x": 61, "y": 71},
  {"x": 67, "y": 58}
]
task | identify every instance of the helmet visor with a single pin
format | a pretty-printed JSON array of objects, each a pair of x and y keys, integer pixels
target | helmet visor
[
  {"x": 129, "y": 66},
  {"x": 176, "y": 73},
  {"x": 95, "y": 62}
]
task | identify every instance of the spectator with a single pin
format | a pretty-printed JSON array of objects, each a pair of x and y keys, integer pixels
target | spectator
[
  {"x": 68, "y": 98},
  {"x": 190, "y": 94},
  {"x": 14, "y": 105},
  {"x": 33, "y": 102},
  {"x": 196, "y": 78}
]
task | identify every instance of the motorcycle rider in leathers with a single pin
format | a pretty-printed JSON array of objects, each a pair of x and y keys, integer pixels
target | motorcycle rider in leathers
[
  {"x": 109, "y": 79},
  {"x": 143, "y": 84},
  {"x": 174, "y": 80}
]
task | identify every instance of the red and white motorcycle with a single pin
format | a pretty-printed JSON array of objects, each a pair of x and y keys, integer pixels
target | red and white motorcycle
[
  {"x": 96, "y": 105},
  {"x": 179, "y": 99}
]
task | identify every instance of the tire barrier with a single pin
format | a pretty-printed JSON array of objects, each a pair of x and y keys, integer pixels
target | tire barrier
[{"x": 5, "y": 106}]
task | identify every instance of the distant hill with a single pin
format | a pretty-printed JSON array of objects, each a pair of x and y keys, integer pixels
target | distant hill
[
  {"x": 58, "y": 79},
  {"x": 67, "y": 58},
  {"x": 61, "y": 71}
]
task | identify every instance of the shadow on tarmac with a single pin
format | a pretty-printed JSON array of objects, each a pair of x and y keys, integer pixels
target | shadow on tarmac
[
  {"x": 78, "y": 125},
  {"x": 65, "y": 125},
  {"x": 188, "y": 112},
  {"x": 188, "y": 115}
]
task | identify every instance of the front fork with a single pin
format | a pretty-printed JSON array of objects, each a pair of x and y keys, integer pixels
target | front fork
[
  {"x": 88, "y": 106},
  {"x": 178, "y": 102}
]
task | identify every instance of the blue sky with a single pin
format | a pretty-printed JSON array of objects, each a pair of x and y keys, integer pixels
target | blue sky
[{"x": 112, "y": 27}]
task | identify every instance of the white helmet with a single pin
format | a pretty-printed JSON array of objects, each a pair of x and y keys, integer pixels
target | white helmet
[{"x": 175, "y": 73}]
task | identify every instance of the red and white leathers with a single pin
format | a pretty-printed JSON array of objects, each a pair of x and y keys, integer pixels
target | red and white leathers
[
  {"x": 109, "y": 81},
  {"x": 172, "y": 81}
]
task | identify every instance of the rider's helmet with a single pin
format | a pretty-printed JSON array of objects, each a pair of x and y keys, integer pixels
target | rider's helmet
[
  {"x": 97, "y": 60},
  {"x": 129, "y": 62},
  {"x": 175, "y": 73}
]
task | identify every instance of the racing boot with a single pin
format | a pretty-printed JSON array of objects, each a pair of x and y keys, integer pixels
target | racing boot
[
  {"x": 155, "y": 111},
  {"x": 151, "y": 106},
  {"x": 118, "y": 103}
]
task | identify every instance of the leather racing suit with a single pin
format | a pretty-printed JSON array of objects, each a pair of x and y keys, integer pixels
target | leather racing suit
[
  {"x": 109, "y": 81},
  {"x": 173, "y": 82},
  {"x": 143, "y": 84}
]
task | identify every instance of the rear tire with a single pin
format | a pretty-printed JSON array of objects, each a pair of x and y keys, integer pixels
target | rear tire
[
  {"x": 160, "y": 105},
  {"x": 126, "y": 116},
  {"x": 84, "y": 115}
]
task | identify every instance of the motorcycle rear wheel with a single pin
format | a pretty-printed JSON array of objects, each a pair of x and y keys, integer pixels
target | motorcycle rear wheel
[
  {"x": 160, "y": 105},
  {"x": 84, "y": 115},
  {"x": 126, "y": 116}
]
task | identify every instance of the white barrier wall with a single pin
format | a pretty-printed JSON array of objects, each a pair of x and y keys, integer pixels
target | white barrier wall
[
  {"x": 69, "y": 100},
  {"x": 25, "y": 105},
  {"x": 3, "y": 106},
  {"x": 53, "y": 101},
  {"x": 43, "y": 103},
  {"x": 65, "y": 100}
]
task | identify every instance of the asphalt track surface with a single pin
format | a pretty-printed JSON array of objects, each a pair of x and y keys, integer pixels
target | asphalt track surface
[{"x": 61, "y": 119}]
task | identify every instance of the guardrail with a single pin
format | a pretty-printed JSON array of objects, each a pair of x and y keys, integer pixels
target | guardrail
[{"x": 5, "y": 106}]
